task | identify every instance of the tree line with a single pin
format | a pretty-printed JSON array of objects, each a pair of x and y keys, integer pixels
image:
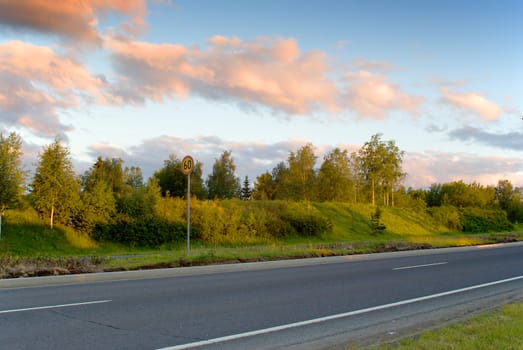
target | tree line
[{"x": 109, "y": 189}]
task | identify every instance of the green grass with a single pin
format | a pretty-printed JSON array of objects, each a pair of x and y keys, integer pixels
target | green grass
[
  {"x": 502, "y": 329},
  {"x": 24, "y": 235}
]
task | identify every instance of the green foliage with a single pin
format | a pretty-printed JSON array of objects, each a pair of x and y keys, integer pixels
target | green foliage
[
  {"x": 141, "y": 202},
  {"x": 499, "y": 329},
  {"x": 485, "y": 220},
  {"x": 264, "y": 188},
  {"x": 97, "y": 206},
  {"x": 461, "y": 195},
  {"x": 222, "y": 183},
  {"x": 377, "y": 226},
  {"x": 335, "y": 177},
  {"x": 379, "y": 166},
  {"x": 11, "y": 173},
  {"x": 246, "y": 192},
  {"x": 448, "y": 216},
  {"x": 300, "y": 178},
  {"x": 305, "y": 219},
  {"x": 144, "y": 232},
  {"x": 55, "y": 187},
  {"x": 235, "y": 222},
  {"x": 173, "y": 183}
]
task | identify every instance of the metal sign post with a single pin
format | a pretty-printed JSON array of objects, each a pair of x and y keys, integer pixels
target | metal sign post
[{"x": 187, "y": 169}]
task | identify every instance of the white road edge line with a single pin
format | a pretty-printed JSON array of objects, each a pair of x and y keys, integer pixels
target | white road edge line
[
  {"x": 416, "y": 266},
  {"x": 54, "y": 306},
  {"x": 334, "y": 317}
]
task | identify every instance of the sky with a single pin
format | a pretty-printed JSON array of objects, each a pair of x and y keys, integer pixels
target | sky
[{"x": 141, "y": 80}]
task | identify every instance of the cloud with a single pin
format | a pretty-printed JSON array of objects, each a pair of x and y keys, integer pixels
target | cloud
[
  {"x": 371, "y": 95},
  {"x": 426, "y": 168},
  {"x": 471, "y": 102},
  {"x": 253, "y": 158},
  {"x": 364, "y": 65},
  {"x": 36, "y": 83},
  {"x": 511, "y": 140},
  {"x": 72, "y": 19},
  {"x": 263, "y": 72}
]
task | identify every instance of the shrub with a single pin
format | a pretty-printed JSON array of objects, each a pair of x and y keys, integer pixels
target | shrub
[
  {"x": 305, "y": 219},
  {"x": 376, "y": 225},
  {"x": 148, "y": 231},
  {"x": 447, "y": 216},
  {"x": 485, "y": 220}
]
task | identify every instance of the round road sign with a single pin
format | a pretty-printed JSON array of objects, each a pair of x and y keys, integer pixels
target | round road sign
[{"x": 187, "y": 165}]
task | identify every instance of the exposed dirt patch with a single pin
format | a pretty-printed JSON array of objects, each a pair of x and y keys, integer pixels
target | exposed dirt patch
[{"x": 31, "y": 267}]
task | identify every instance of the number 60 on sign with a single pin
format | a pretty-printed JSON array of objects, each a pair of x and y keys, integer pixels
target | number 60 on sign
[{"x": 187, "y": 165}]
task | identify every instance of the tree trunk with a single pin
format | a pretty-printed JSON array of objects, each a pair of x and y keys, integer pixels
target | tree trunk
[
  {"x": 373, "y": 201},
  {"x": 52, "y": 217}
]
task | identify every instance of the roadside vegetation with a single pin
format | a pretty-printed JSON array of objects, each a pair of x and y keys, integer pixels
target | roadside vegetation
[
  {"x": 110, "y": 218},
  {"x": 499, "y": 329}
]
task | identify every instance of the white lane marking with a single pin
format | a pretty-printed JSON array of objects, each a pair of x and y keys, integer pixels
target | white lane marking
[
  {"x": 334, "y": 317},
  {"x": 54, "y": 306},
  {"x": 416, "y": 266}
]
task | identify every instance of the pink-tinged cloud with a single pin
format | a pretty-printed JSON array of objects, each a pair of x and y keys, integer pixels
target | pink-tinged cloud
[
  {"x": 472, "y": 102},
  {"x": 267, "y": 72},
  {"x": 262, "y": 72},
  {"x": 36, "y": 83},
  {"x": 72, "y": 19},
  {"x": 426, "y": 168},
  {"x": 371, "y": 95}
]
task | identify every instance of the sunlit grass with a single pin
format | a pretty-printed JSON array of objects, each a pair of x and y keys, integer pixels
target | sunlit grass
[
  {"x": 26, "y": 235},
  {"x": 493, "y": 330},
  {"x": 78, "y": 239}
]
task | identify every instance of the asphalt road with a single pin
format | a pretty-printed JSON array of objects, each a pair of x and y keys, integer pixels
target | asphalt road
[{"x": 298, "y": 304}]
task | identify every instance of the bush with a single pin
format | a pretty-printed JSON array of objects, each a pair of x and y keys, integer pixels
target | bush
[
  {"x": 485, "y": 220},
  {"x": 447, "y": 216},
  {"x": 305, "y": 220},
  {"x": 376, "y": 225},
  {"x": 149, "y": 232}
]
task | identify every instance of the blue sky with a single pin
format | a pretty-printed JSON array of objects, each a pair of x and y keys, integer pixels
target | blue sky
[{"x": 141, "y": 80}]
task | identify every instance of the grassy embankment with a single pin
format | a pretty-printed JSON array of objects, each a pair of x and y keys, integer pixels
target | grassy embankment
[
  {"x": 500, "y": 329},
  {"x": 26, "y": 240}
]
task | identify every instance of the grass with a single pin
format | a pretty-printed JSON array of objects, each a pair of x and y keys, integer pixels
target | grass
[
  {"x": 502, "y": 329},
  {"x": 24, "y": 235}
]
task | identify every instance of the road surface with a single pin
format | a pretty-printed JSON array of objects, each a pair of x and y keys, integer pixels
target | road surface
[{"x": 296, "y": 304}]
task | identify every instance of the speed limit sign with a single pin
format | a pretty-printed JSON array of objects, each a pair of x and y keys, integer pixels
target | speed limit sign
[{"x": 187, "y": 165}]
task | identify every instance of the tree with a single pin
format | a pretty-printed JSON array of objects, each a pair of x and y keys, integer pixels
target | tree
[
  {"x": 55, "y": 188},
  {"x": 140, "y": 203},
  {"x": 300, "y": 177},
  {"x": 98, "y": 200},
  {"x": 279, "y": 176},
  {"x": 133, "y": 177},
  {"x": 11, "y": 174},
  {"x": 462, "y": 195},
  {"x": 173, "y": 182},
  {"x": 98, "y": 206},
  {"x": 109, "y": 171},
  {"x": 246, "y": 192},
  {"x": 334, "y": 177},
  {"x": 504, "y": 193},
  {"x": 380, "y": 169},
  {"x": 264, "y": 188},
  {"x": 223, "y": 183}
]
